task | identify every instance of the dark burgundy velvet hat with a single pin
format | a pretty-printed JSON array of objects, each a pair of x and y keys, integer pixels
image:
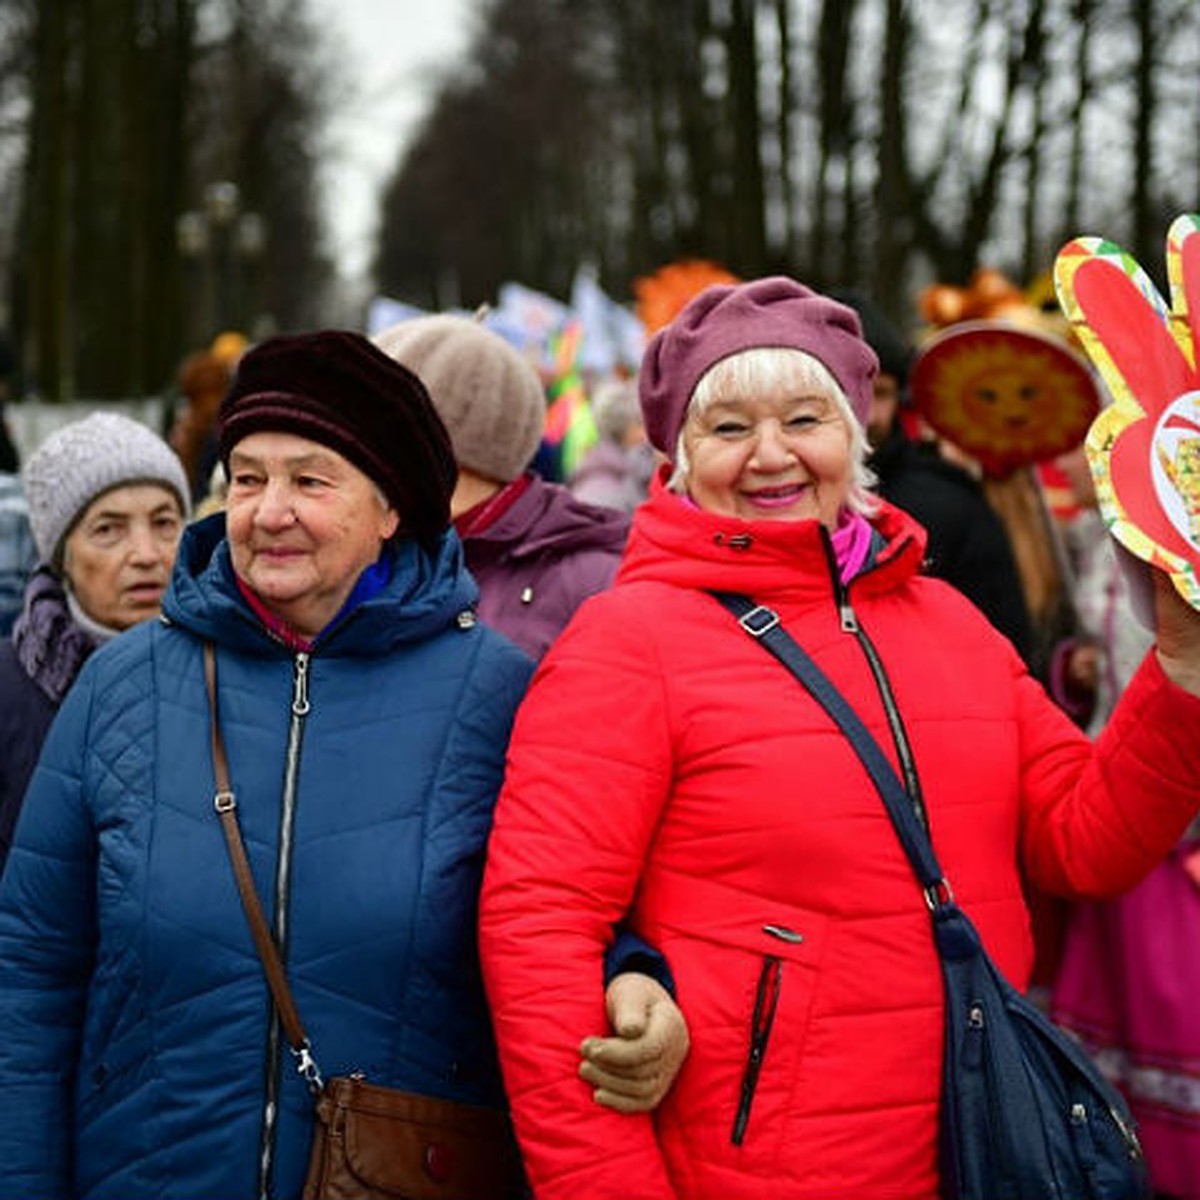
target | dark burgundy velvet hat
[{"x": 337, "y": 388}]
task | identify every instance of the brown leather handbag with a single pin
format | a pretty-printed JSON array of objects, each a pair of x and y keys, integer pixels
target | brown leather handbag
[{"x": 369, "y": 1142}]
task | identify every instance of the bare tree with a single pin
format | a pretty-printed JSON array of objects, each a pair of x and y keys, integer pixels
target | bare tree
[
  {"x": 129, "y": 115},
  {"x": 835, "y": 122},
  {"x": 1082, "y": 15}
]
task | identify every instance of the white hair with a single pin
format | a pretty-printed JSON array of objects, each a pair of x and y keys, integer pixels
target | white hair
[{"x": 766, "y": 369}]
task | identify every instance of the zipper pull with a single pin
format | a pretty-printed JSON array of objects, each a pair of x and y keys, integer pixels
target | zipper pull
[
  {"x": 973, "y": 1043},
  {"x": 784, "y": 934},
  {"x": 841, "y": 599},
  {"x": 300, "y": 703},
  {"x": 848, "y": 617}
]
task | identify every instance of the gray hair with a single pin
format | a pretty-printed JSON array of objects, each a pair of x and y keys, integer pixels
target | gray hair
[
  {"x": 766, "y": 368},
  {"x": 615, "y": 408}
]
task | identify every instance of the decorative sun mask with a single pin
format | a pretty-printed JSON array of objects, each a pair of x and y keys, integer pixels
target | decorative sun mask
[
  {"x": 1144, "y": 449},
  {"x": 1008, "y": 396}
]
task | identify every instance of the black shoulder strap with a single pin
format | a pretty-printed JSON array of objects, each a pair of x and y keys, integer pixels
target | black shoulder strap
[{"x": 762, "y": 624}]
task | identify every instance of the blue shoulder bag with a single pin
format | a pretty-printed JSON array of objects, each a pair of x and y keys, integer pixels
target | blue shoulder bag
[{"x": 1025, "y": 1114}]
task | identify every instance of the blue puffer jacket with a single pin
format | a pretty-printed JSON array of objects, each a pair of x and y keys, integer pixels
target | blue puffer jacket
[{"x": 136, "y": 1058}]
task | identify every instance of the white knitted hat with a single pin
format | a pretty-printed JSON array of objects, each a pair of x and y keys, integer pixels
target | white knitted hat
[{"x": 83, "y": 460}]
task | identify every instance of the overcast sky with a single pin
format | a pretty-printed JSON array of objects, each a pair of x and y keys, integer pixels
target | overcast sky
[{"x": 397, "y": 48}]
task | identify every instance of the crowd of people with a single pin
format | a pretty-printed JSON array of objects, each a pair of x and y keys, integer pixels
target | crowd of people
[{"x": 536, "y": 825}]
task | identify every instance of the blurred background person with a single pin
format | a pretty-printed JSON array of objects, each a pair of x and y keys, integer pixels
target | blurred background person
[
  {"x": 10, "y": 458},
  {"x": 616, "y": 470},
  {"x": 18, "y": 555},
  {"x": 1129, "y": 973},
  {"x": 968, "y": 544},
  {"x": 202, "y": 380},
  {"x": 1090, "y": 669},
  {"x": 107, "y": 502},
  {"x": 535, "y": 550}
]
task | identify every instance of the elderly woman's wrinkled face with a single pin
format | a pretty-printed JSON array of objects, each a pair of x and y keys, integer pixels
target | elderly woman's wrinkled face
[
  {"x": 780, "y": 454},
  {"x": 117, "y": 558},
  {"x": 303, "y": 524}
]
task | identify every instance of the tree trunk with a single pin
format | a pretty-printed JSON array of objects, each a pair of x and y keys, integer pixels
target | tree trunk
[
  {"x": 786, "y": 134},
  {"x": 1035, "y": 71},
  {"x": 46, "y": 207},
  {"x": 748, "y": 192},
  {"x": 1147, "y": 236},
  {"x": 834, "y": 141},
  {"x": 896, "y": 200},
  {"x": 1072, "y": 209}
]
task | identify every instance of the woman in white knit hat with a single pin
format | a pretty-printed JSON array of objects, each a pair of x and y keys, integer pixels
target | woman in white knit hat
[{"x": 108, "y": 499}]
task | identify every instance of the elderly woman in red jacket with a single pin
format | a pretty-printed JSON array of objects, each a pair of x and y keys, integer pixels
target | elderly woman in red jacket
[{"x": 665, "y": 766}]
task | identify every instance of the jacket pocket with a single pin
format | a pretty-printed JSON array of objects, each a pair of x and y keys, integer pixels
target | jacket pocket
[
  {"x": 116, "y": 1034},
  {"x": 111, "y": 1068},
  {"x": 766, "y": 1000},
  {"x": 746, "y": 971}
]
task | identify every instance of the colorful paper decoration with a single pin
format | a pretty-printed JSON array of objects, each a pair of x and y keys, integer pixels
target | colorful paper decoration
[
  {"x": 1008, "y": 396},
  {"x": 660, "y": 295},
  {"x": 1144, "y": 449}
]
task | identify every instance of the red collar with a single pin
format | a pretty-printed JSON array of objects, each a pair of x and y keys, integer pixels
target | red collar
[
  {"x": 487, "y": 512},
  {"x": 275, "y": 626}
]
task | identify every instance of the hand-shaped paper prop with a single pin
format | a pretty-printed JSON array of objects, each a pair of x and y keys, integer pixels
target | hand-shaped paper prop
[{"x": 1144, "y": 449}]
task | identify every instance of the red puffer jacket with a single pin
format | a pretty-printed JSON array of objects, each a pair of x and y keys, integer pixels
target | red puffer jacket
[{"x": 665, "y": 765}]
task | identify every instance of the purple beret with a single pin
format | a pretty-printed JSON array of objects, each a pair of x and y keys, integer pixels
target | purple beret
[
  {"x": 337, "y": 388},
  {"x": 726, "y": 318}
]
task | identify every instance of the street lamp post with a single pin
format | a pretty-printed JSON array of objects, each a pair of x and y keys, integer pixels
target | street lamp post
[{"x": 223, "y": 244}]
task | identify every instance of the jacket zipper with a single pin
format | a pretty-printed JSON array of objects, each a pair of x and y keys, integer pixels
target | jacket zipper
[
  {"x": 283, "y": 871},
  {"x": 849, "y": 623},
  {"x": 766, "y": 1000}
]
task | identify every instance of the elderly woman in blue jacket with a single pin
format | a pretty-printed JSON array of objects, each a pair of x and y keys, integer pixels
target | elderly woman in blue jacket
[{"x": 365, "y": 714}]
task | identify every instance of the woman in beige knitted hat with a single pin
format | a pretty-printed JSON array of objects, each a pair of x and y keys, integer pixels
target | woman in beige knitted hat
[{"x": 536, "y": 551}]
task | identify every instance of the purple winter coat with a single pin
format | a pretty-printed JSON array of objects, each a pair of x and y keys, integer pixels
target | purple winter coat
[{"x": 540, "y": 560}]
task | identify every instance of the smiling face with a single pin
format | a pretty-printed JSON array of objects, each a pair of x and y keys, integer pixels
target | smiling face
[
  {"x": 117, "y": 558},
  {"x": 303, "y": 524},
  {"x": 778, "y": 450}
]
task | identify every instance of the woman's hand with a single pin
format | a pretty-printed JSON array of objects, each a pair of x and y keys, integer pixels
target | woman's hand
[
  {"x": 634, "y": 1070},
  {"x": 1178, "y": 629}
]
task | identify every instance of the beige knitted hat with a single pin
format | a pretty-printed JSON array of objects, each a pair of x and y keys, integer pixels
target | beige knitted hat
[{"x": 487, "y": 394}]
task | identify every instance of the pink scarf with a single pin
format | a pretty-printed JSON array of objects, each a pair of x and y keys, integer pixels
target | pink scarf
[
  {"x": 851, "y": 540},
  {"x": 851, "y": 544}
]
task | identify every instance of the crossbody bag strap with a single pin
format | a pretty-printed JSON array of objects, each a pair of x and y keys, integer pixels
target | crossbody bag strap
[
  {"x": 225, "y": 802},
  {"x": 763, "y": 625}
]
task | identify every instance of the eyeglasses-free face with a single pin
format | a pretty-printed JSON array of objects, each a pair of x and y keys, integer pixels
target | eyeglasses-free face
[
  {"x": 303, "y": 524},
  {"x": 117, "y": 559},
  {"x": 782, "y": 454}
]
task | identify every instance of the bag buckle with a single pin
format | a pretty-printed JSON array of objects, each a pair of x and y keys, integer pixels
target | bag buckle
[
  {"x": 224, "y": 801},
  {"x": 938, "y": 894},
  {"x": 759, "y": 621},
  {"x": 306, "y": 1066}
]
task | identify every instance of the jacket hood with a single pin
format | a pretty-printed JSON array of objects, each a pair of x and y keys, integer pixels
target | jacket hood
[
  {"x": 674, "y": 542},
  {"x": 426, "y": 594},
  {"x": 547, "y": 517}
]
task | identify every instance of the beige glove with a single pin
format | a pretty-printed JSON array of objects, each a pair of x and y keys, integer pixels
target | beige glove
[{"x": 634, "y": 1070}]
